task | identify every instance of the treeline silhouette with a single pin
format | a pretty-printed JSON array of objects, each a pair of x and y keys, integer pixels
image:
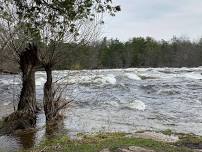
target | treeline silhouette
[{"x": 137, "y": 52}]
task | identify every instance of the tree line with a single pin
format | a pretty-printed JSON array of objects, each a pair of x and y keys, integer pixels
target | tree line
[{"x": 136, "y": 52}]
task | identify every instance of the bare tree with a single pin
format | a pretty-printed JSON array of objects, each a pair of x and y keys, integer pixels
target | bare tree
[
  {"x": 51, "y": 54},
  {"x": 16, "y": 44},
  {"x": 45, "y": 24}
]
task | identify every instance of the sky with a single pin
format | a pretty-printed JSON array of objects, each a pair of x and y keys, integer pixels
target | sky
[{"x": 160, "y": 19}]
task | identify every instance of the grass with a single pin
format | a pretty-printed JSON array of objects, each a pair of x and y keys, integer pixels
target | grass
[
  {"x": 190, "y": 140},
  {"x": 112, "y": 141},
  {"x": 167, "y": 132},
  {"x": 187, "y": 140}
]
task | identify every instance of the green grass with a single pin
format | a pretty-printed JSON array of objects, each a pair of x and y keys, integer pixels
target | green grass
[
  {"x": 167, "y": 132},
  {"x": 187, "y": 140},
  {"x": 98, "y": 142},
  {"x": 190, "y": 140}
]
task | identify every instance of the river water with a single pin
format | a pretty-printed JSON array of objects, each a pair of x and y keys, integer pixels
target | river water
[{"x": 125, "y": 100}]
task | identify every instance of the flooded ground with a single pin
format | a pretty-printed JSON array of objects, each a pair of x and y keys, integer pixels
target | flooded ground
[{"x": 125, "y": 100}]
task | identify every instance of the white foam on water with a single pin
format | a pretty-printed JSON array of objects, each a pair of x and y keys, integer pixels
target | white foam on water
[
  {"x": 167, "y": 92},
  {"x": 6, "y": 103},
  {"x": 197, "y": 101},
  {"x": 40, "y": 81},
  {"x": 110, "y": 78},
  {"x": 193, "y": 75},
  {"x": 133, "y": 76},
  {"x": 5, "y": 82},
  {"x": 91, "y": 78},
  {"x": 98, "y": 79},
  {"x": 112, "y": 103},
  {"x": 68, "y": 80},
  {"x": 10, "y": 82},
  {"x": 137, "y": 104},
  {"x": 82, "y": 79}
]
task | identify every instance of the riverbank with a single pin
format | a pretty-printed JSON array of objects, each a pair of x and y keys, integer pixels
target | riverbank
[{"x": 120, "y": 142}]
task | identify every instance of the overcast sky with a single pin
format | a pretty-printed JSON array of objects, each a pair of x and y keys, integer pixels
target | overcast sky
[{"x": 160, "y": 19}]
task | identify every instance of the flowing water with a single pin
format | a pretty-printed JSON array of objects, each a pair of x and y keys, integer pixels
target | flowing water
[{"x": 125, "y": 100}]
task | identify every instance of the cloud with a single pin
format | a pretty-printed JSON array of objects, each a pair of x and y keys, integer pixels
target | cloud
[{"x": 161, "y": 19}]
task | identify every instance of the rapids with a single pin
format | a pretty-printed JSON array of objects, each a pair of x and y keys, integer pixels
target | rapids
[{"x": 125, "y": 100}]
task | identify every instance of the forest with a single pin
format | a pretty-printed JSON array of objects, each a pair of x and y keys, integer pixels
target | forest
[{"x": 136, "y": 52}]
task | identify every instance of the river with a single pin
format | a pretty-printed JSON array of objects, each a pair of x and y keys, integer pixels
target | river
[{"x": 126, "y": 100}]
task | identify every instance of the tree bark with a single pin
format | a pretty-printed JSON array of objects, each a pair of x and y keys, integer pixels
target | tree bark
[
  {"x": 28, "y": 62},
  {"x": 28, "y": 93},
  {"x": 25, "y": 116},
  {"x": 49, "y": 106}
]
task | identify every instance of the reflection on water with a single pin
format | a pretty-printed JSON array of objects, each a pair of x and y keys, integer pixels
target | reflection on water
[
  {"x": 8, "y": 143},
  {"x": 55, "y": 127},
  {"x": 28, "y": 138},
  {"x": 25, "y": 140},
  {"x": 22, "y": 139}
]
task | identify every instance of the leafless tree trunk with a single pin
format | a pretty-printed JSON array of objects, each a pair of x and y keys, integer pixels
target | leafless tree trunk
[
  {"x": 27, "y": 58},
  {"x": 49, "y": 105},
  {"x": 53, "y": 101},
  {"x": 51, "y": 54},
  {"x": 25, "y": 116},
  {"x": 28, "y": 62}
]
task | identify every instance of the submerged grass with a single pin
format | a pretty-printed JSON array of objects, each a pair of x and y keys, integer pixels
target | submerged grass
[{"x": 112, "y": 141}]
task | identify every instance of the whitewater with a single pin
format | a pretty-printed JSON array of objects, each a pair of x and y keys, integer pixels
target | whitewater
[{"x": 127, "y": 100}]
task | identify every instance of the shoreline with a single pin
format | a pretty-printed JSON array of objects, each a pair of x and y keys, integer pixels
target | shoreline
[{"x": 121, "y": 142}]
